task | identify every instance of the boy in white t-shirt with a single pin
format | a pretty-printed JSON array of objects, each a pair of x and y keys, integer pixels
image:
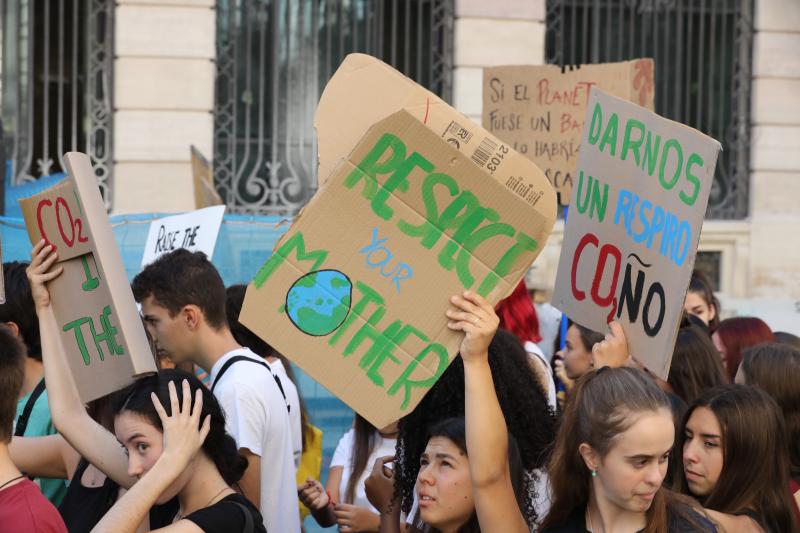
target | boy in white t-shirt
[{"x": 183, "y": 304}]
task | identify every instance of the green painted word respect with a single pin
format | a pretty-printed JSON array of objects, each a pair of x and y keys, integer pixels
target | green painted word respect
[{"x": 472, "y": 223}]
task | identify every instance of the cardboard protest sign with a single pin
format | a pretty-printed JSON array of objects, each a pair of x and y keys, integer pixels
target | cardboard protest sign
[
  {"x": 101, "y": 330},
  {"x": 196, "y": 231},
  {"x": 539, "y": 110},
  {"x": 204, "y": 192},
  {"x": 631, "y": 237},
  {"x": 356, "y": 292},
  {"x": 365, "y": 90}
]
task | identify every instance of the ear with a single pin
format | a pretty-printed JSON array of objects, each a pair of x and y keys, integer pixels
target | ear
[
  {"x": 192, "y": 316},
  {"x": 14, "y": 327},
  {"x": 590, "y": 457}
]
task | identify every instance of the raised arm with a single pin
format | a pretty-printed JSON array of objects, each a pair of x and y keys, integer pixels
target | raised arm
[
  {"x": 486, "y": 431},
  {"x": 87, "y": 437},
  {"x": 48, "y": 456}
]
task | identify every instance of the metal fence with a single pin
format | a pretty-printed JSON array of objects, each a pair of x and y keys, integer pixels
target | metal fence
[
  {"x": 703, "y": 57},
  {"x": 56, "y": 85},
  {"x": 273, "y": 60}
]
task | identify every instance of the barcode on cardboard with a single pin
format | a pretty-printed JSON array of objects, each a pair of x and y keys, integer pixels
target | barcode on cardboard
[
  {"x": 484, "y": 151},
  {"x": 457, "y": 130}
]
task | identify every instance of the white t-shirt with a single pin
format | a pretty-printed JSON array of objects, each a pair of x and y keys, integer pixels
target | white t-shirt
[
  {"x": 257, "y": 418},
  {"x": 293, "y": 399},
  {"x": 343, "y": 456}
]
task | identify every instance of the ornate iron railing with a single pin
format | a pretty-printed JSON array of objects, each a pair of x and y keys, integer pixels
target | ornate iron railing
[
  {"x": 273, "y": 60},
  {"x": 56, "y": 85},
  {"x": 703, "y": 58}
]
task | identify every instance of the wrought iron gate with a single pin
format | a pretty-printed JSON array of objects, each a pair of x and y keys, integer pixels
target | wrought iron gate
[
  {"x": 273, "y": 60},
  {"x": 703, "y": 55},
  {"x": 55, "y": 85}
]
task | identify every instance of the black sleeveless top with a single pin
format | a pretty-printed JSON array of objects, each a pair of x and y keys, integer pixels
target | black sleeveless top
[{"x": 83, "y": 507}]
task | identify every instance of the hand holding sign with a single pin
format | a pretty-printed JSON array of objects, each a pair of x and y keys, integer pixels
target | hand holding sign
[
  {"x": 40, "y": 271},
  {"x": 477, "y": 319},
  {"x": 613, "y": 350}
]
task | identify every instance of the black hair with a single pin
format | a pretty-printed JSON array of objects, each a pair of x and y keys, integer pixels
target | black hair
[
  {"x": 696, "y": 365},
  {"x": 454, "y": 429},
  {"x": 219, "y": 446},
  {"x": 522, "y": 400},
  {"x": 182, "y": 278},
  {"x": 19, "y": 307},
  {"x": 12, "y": 373}
]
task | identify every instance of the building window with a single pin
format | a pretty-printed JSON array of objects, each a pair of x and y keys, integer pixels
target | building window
[
  {"x": 703, "y": 54},
  {"x": 55, "y": 86},
  {"x": 273, "y": 60}
]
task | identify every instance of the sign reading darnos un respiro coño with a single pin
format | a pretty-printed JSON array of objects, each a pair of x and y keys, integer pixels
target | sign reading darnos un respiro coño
[
  {"x": 356, "y": 292},
  {"x": 634, "y": 223},
  {"x": 92, "y": 301}
]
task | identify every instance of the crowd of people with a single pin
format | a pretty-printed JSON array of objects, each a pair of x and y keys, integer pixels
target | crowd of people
[{"x": 509, "y": 439}]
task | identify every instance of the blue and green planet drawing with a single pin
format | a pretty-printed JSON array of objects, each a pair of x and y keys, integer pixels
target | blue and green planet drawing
[{"x": 318, "y": 303}]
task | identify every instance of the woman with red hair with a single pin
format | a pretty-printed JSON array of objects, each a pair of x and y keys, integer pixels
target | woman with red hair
[
  {"x": 734, "y": 335},
  {"x": 518, "y": 315}
]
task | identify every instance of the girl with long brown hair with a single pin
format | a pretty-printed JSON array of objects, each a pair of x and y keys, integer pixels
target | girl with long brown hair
[
  {"x": 735, "y": 461},
  {"x": 610, "y": 459}
]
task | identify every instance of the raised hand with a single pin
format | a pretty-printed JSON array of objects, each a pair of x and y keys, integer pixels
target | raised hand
[
  {"x": 183, "y": 435},
  {"x": 40, "y": 271},
  {"x": 613, "y": 350},
  {"x": 473, "y": 315}
]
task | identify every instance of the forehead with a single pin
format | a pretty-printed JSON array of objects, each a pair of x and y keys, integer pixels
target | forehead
[
  {"x": 703, "y": 420},
  {"x": 442, "y": 445},
  {"x": 150, "y": 306},
  {"x": 128, "y": 423},
  {"x": 651, "y": 434},
  {"x": 694, "y": 299}
]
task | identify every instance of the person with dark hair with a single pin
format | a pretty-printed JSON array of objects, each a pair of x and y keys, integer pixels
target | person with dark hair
[
  {"x": 183, "y": 303},
  {"x": 33, "y": 412},
  {"x": 784, "y": 337},
  {"x": 575, "y": 359},
  {"x": 611, "y": 456},
  {"x": 734, "y": 335},
  {"x": 524, "y": 407},
  {"x": 22, "y": 505},
  {"x": 696, "y": 366},
  {"x": 518, "y": 315},
  {"x": 734, "y": 462},
  {"x": 701, "y": 302},
  {"x": 343, "y": 501},
  {"x": 775, "y": 369}
]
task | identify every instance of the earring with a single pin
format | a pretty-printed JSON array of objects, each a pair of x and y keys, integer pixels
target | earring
[{"x": 594, "y": 473}]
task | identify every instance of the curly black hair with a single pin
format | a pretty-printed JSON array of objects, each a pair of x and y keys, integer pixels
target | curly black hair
[{"x": 528, "y": 416}]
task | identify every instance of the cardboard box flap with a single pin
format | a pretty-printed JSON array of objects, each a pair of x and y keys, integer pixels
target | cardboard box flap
[{"x": 364, "y": 90}]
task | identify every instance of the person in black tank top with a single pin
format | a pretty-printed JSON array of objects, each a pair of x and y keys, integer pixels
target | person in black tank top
[{"x": 177, "y": 447}]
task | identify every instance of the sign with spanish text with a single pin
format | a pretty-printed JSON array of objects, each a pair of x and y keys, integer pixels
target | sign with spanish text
[
  {"x": 634, "y": 224},
  {"x": 196, "y": 231},
  {"x": 538, "y": 110},
  {"x": 101, "y": 331},
  {"x": 355, "y": 293}
]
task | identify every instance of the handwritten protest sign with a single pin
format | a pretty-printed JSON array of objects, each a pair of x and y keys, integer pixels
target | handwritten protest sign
[
  {"x": 355, "y": 293},
  {"x": 539, "y": 110},
  {"x": 196, "y": 231},
  {"x": 634, "y": 224},
  {"x": 92, "y": 301}
]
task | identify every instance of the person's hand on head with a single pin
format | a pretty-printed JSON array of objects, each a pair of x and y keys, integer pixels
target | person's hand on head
[
  {"x": 613, "y": 350},
  {"x": 473, "y": 315},
  {"x": 313, "y": 495},
  {"x": 41, "y": 271},
  {"x": 379, "y": 486},
  {"x": 183, "y": 435},
  {"x": 352, "y": 519}
]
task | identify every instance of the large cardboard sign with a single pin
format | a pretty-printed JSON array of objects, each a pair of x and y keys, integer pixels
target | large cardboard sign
[
  {"x": 203, "y": 181},
  {"x": 196, "y": 231},
  {"x": 365, "y": 90},
  {"x": 101, "y": 330},
  {"x": 634, "y": 223},
  {"x": 539, "y": 110},
  {"x": 356, "y": 292}
]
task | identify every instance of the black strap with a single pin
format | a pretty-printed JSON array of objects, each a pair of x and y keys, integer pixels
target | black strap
[
  {"x": 237, "y": 358},
  {"x": 249, "y": 526},
  {"x": 22, "y": 421}
]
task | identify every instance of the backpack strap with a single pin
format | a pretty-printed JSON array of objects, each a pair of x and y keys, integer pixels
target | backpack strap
[
  {"x": 249, "y": 526},
  {"x": 237, "y": 358},
  {"x": 22, "y": 421}
]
